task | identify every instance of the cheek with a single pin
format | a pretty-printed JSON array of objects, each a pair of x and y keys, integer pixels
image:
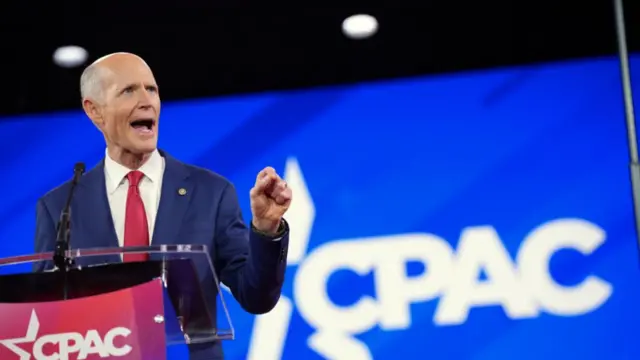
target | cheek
[
  {"x": 121, "y": 122},
  {"x": 107, "y": 125},
  {"x": 116, "y": 127},
  {"x": 123, "y": 127}
]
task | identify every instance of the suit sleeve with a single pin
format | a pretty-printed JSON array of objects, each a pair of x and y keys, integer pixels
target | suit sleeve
[
  {"x": 45, "y": 236},
  {"x": 250, "y": 264}
]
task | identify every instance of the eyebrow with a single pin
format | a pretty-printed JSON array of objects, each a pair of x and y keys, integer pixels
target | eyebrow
[{"x": 136, "y": 86}]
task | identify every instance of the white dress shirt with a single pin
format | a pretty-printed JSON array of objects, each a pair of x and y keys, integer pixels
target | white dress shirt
[{"x": 118, "y": 186}]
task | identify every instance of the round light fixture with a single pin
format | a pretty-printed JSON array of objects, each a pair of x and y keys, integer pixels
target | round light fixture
[
  {"x": 360, "y": 26},
  {"x": 70, "y": 56}
]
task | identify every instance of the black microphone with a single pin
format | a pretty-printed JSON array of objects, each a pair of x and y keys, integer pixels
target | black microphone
[{"x": 60, "y": 258}]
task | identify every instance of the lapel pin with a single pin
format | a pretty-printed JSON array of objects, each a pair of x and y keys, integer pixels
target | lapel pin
[{"x": 182, "y": 191}]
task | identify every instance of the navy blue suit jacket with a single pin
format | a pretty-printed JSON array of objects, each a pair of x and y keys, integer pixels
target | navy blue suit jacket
[{"x": 251, "y": 265}]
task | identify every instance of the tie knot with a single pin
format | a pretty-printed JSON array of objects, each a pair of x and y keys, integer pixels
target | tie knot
[{"x": 134, "y": 178}]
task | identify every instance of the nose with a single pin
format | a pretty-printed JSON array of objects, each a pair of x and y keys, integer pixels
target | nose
[
  {"x": 144, "y": 99},
  {"x": 144, "y": 105}
]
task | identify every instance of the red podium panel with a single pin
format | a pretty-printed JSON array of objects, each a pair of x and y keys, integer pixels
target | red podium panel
[{"x": 126, "y": 324}]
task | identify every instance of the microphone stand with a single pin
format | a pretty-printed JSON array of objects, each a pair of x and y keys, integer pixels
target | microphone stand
[
  {"x": 61, "y": 259},
  {"x": 632, "y": 137}
]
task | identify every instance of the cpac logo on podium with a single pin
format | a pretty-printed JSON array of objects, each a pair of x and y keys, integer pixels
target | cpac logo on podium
[
  {"x": 524, "y": 288},
  {"x": 62, "y": 346}
]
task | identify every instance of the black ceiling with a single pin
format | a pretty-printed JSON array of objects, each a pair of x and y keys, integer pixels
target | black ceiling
[{"x": 203, "y": 48}]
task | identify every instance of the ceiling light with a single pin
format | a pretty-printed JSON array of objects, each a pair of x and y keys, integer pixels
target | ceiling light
[
  {"x": 359, "y": 26},
  {"x": 70, "y": 56}
]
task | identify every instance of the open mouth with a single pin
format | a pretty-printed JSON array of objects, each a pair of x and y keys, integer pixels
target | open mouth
[{"x": 143, "y": 125}]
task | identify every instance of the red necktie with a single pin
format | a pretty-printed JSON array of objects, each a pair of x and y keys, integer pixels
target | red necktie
[{"x": 136, "y": 231}]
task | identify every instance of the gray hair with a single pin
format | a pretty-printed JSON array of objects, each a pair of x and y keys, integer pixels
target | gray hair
[{"x": 92, "y": 84}]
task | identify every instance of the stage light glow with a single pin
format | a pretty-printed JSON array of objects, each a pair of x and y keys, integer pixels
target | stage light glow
[
  {"x": 360, "y": 26},
  {"x": 70, "y": 56}
]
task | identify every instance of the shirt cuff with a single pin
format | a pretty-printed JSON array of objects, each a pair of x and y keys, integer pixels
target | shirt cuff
[{"x": 282, "y": 229}]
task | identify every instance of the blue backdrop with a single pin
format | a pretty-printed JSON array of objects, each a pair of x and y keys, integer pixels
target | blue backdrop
[{"x": 472, "y": 216}]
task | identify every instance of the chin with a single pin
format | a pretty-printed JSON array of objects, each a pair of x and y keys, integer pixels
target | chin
[{"x": 146, "y": 148}]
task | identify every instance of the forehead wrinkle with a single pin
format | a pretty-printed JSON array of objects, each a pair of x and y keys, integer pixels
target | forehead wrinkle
[{"x": 114, "y": 72}]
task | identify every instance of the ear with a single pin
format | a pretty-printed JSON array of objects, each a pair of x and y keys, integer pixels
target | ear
[{"x": 94, "y": 112}]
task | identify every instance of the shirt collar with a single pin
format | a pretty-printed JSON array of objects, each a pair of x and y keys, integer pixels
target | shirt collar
[{"x": 115, "y": 173}]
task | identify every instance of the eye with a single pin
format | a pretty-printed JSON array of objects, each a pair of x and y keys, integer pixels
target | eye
[
  {"x": 152, "y": 89},
  {"x": 127, "y": 90}
]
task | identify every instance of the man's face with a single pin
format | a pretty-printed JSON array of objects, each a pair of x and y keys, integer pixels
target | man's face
[{"x": 131, "y": 107}]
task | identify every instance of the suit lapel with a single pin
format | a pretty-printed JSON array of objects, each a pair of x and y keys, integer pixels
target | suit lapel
[
  {"x": 92, "y": 212},
  {"x": 175, "y": 197}
]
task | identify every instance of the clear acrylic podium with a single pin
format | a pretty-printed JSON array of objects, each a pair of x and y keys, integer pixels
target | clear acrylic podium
[{"x": 137, "y": 309}]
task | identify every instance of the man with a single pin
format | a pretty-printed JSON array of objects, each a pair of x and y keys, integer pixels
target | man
[{"x": 139, "y": 195}]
